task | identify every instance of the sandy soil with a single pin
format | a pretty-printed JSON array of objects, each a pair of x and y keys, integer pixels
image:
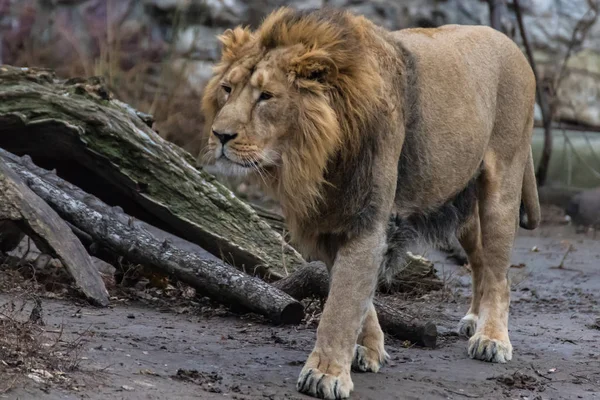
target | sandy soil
[{"x": 133, "y": 351}]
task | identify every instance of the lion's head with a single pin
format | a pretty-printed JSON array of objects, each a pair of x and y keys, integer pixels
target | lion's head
[{"x": 288, "y": 99}]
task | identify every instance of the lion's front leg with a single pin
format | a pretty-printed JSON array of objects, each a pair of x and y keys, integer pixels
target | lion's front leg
[{"x": 326, "y": 373}]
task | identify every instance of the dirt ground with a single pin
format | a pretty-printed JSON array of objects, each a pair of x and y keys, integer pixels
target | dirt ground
[{"x": 135, "y": 351}]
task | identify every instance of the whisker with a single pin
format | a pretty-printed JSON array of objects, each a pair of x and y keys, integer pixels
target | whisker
[{"x": 257, "y": 168}]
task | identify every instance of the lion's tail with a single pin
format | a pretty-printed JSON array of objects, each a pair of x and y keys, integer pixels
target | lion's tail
[{"x": 529, "y": 215}]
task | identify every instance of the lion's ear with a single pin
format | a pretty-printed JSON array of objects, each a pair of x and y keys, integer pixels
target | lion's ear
[
  {"x": 233, "y": 39},
  {"x": 315, "y": 65}
]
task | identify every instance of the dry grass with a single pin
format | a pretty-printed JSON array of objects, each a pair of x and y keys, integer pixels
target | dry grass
[
  {"x": 151, "y": 77},
  {"x": 29, "y": 350}
]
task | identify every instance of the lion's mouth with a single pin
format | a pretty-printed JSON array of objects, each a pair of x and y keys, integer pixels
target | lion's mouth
[{"x": 246, "y": 164}]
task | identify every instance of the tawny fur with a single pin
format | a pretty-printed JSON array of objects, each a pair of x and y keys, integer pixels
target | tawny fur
[{"x": 370, "y": 137}]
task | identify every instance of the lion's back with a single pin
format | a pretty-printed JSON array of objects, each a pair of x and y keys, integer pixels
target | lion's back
[
  {"x": 473, "y": 52},
  {"x": 469, "y": 81}
]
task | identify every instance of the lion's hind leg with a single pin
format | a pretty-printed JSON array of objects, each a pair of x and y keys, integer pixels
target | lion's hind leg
[
  {"x": 469, "y": 237},
  {"x": 370, "y": 354},
  {"x": 498, "y": 203}
]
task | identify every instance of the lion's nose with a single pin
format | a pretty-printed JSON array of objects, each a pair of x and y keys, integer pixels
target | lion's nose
[{"x": 224, "y": 137}]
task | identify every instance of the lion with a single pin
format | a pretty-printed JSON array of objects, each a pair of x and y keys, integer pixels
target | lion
[{"x": 370, "y": 140}]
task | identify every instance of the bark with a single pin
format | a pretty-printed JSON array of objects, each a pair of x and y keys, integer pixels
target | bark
[
  {"x": 211, "y": 277},
  {"x": 49, "y": 232},
  {"x": 313, "y": 280},
  {"x": 106, "y": 148}
]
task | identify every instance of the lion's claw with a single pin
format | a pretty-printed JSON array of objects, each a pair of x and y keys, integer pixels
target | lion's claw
[
  {"x": 368, "y": 360},
  {"x": 482, "y": 347},
  {"x": 467, "y": 325},
  {"x": 324, "y": 386}
]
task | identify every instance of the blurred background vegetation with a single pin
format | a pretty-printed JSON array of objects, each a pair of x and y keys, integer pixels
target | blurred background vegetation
[{"x": 157, "y": 55}]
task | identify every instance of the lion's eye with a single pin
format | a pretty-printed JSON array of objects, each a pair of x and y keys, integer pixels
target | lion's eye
[
  {"x": 264, "y": 96},
  {"x": 226, "y": 88}
]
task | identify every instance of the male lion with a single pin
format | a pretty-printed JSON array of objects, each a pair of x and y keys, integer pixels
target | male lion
[{"x": 371, "y": 139}]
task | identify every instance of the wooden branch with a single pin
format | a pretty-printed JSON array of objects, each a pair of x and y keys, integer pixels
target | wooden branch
[
  {"x": 578, "y": 36},
  {"x": 49, "y": 232},
  {"x": 313, "y": 280},
  {"x": 210, "y": 277},
  {"x": 405, "y": 327},
  {"x": 310, "y": 280},
  {"x": 105, "y": 147}
]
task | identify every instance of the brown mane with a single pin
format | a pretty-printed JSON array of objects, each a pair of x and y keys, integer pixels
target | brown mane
[{"x": 341, "y": 92}]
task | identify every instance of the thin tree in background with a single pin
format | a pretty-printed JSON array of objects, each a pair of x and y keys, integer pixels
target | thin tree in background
[
  {"x": 499, "y": 20},
  {"x": 542, "y": 171}
]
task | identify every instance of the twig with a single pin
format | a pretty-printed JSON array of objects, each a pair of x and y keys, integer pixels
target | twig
[
  {"x": 471, "y": 396},
  {"x": 562, "y": 262},
  {"x": 538, "y": 373},
  {"x": 582, "y": 28}
]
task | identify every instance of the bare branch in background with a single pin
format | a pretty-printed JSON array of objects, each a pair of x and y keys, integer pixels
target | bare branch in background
[
  {"x": 499, "y": 19},
  {"x": 542, "y": 172},
  {"x": 579, "y": 35}
]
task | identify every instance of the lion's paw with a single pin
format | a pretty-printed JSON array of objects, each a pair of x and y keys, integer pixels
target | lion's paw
[
  {"x": 324, "y": 386},
  {"x": 468, "y": 325},
  {"x": 368, "y": 360},
  {"x": 482, "y": 347}
]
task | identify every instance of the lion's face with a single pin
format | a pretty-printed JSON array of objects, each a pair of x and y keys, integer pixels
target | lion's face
[
  {"x": 256, "y": 116},
  {"x": 284, "y": 102}
]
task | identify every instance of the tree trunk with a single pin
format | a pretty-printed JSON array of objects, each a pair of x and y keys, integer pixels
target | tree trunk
[{"x": 105, "y": 147}]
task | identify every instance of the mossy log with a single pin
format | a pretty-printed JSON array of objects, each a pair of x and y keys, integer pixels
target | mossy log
[{"x": 107, "y": 148}]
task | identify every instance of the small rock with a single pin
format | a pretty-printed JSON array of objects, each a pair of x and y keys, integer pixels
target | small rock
[
  {"x": 36, "y": 378},
  {"x": 584, "y": 208},
  {"x": 43, "y": 373}
]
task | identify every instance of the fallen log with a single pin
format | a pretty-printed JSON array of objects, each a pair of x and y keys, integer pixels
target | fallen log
[
  {"x": 49, "y": 232},
  {"x": 210, "y": 277},
  {"x": 313, "y": 280},
  {"x": 106, "y": 148},
  {"x": 96, "y": 204}
]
